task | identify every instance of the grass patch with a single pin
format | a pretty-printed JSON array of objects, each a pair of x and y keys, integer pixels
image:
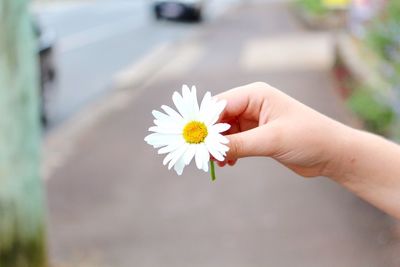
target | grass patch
[{"x": 377, "y": 115}]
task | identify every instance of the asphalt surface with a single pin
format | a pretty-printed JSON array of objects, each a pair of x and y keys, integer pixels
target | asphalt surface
[
  {"x": 112, "y": 203},
  {"x": 98, "y": 39}
]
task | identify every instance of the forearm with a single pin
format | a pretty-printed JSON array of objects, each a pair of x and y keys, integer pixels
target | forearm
[{"x": 369, "y": 166}]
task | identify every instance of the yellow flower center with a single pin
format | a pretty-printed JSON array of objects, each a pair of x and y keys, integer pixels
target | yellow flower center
[{"x": 195, "y": 132}]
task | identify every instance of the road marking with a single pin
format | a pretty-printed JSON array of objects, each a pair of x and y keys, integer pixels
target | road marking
[
  {"x": 103, "y": 8},
  {"x": 61, "y": 142},
  {"x": 139, "y": 71},
  {"x": 288, "y": 52},
  {"x": 57, "y": 8},
  {"x": 99, "y": 33},
  {"x": 185, "y": 59},
  {"x": 217, "y": 8}
]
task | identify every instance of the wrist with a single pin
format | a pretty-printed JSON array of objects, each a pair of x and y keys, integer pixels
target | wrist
[{"x": 342, "y": 154}]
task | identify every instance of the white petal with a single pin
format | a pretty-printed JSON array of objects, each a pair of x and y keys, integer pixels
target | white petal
[
  {"x": 218, "y": 138},
  {"x": 196, "y": 108},
  {"x": 208, "y": 117},
  {"x": 180, "y": 104},
  {"x": 171, "y": 129},
  {"x": 158, "y": 146},
  {"x": 159, "y": 115},
  {"x": 212, "y": 142},
  {"x": 154, "y": 137},
  {"x": 220, "y": 127},
  {"x": 215, "y": 111},
  {"x": 179, "y": 165},
  {"x": 178, "y": 155},
  {"x": 189, "y": 154},
  {"x": 213, "y": 151},
  {"x": 205, "y": 166},
  {"x": 198, "y": 157},
  {"x": 173, "y": 155},
  {"x": 172, "y": 113},
  {"x": 169, "y": 120},
  {"x": 186, "y": 93},
  {"x": 161, "y": 122},
  {"x": 161, "y": 139},
  {"x": 192, "y": 115},
  {"x": 205, "y": 104},
  {"x": 206, "y": 157},
  {"x": 202, "y": 156},
  {"x": 172, "y": 146},
  {"x": 164, "y": 124},
  {"x": 169, "y": 157},
  {"x": 188, "y": 103},
  {"x": 221, "y": 148},
  {"x": 167, "y": 149}
]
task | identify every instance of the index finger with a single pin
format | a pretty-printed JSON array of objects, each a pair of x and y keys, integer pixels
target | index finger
[{"x": 245, "y": 102}]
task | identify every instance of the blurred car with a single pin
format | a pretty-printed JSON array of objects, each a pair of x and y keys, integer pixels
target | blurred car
[
  {"x": 179, "y": 9},
  {"x": 46, "y": 40}
]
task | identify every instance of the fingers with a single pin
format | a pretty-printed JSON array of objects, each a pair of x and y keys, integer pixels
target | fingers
[
  {"x": 237, "y": 102},
  {"x": 246, "y": 111},
  {"x": 223, "y": 163},
  {"x": 260, "y": 141},
  {"x": 245, "y": 102}
]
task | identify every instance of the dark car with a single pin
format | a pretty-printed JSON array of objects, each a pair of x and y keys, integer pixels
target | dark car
[
  {"x": 46, "y": 45},
  {"x": 190, "y": 10}
]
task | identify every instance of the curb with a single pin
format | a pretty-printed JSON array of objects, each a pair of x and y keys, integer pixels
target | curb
[
  {"x": 350, "y": 55},
  {"x": 333, "y": 20},
  {"x": 60, "y": 143},
  {"x": 361, "y": 64}
]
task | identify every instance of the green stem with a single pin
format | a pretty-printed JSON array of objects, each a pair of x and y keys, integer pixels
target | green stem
[{"x": 212, "y": 170}]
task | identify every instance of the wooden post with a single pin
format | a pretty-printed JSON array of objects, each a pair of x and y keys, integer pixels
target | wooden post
[{"x": 22, "y": 216}]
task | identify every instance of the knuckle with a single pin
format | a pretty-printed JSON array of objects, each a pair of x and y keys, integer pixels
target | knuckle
[
  {"x": 259, "y": 84},
  {"x": 236, "y": 147},
  {"x": 274, "y": 140},
  {"x": 263, "y": 87}
]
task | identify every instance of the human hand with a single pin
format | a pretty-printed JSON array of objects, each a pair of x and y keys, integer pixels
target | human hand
[{"x": 266, "y": 122}]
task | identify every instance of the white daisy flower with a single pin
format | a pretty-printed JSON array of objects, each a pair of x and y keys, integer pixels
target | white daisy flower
[{"x": 191, "y": 133}]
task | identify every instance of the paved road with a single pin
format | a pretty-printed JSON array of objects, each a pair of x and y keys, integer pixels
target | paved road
[
  {"x": 112, "y": 203},
  {"x": 97, "y": 39}
]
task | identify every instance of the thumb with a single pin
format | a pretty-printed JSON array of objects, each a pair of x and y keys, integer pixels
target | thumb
[{"x": 259, "y": 141}]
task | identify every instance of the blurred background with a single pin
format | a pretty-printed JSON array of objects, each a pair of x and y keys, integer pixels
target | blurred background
[{"x": 103, "y": 66}]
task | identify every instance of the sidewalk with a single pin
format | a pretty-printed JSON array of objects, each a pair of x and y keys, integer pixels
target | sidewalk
[{"x": 112, "y": 202}]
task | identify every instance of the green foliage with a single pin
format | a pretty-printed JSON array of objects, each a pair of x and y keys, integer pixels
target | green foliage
[
  {"x": 25, "y": 253},
  {"x": 383, "y": 40},
  {"x": 315, "y": 7},
  {"x": 393, "y": 10},
  {"x": 377, "y": 116},
  {"x": 383, "y": 35}
]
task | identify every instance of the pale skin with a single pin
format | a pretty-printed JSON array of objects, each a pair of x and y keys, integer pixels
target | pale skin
[{"x": 267, "y": 122}]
